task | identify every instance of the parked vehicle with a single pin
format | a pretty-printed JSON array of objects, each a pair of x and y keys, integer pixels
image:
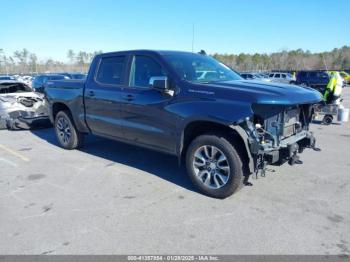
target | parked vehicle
[
  {"x": 255, "y": 76},
  {"x": 39, "y": 81},
  {"x": 6, "y": 78},
  {"x": 74, "y": 75},
  {"x": 285, "y": 78},
  {"x": 222, "y": 128},
  {"x": 20, "y": 108},
  {"x": 315, "y": 79},
  {"x": 345, "y": 76}
]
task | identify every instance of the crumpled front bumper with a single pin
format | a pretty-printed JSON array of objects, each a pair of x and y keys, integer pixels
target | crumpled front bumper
[
  {"x": 286, "y": 150},
  {"x": 24, "y": 120}
]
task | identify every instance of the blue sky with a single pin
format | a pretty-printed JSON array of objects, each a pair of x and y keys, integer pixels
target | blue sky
[{"x": 50, "y": 28}]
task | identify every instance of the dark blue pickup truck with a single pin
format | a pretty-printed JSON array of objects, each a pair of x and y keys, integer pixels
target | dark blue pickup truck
[{"x": 189, "y": 105}]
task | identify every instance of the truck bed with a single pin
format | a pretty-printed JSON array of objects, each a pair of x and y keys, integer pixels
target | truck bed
[{"x": 69, "y": 93}]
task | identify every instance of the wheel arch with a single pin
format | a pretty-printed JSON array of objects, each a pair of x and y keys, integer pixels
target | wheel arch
[
  {"x": 235, "y": 133},
  {"x": 57, "y": 107}
]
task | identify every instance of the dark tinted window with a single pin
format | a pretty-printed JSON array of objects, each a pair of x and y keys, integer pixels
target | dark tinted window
[
  {"x": 142, "y": 69},
  {"x": 277, "y": 75},
  {"x": 79, "y": 76},
  {"x": 312, "y": 74},
  {"x": 283, "y": 76},
  {"x": 58, "y": 77},
  {"x": 111, "y": 70},
  {"x": 302, "y": 74},
  {"x": 322, "y": 75}
]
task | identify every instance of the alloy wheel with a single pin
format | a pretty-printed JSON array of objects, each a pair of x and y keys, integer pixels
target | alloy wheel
[
  {"x": 63, "y": 130},
  {"x": 211, "y": 166}
]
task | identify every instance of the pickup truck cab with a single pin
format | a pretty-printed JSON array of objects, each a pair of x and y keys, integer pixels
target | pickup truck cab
[
  {"x": 222, "y": 127},
  {"x": 315, "y": 79}
]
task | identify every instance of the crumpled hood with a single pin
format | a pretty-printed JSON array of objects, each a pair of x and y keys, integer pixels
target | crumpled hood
[
  {"x": 261, "y": 92},
  {"x": 12, "y": 97},
  {"x": 23, "y": 110}
]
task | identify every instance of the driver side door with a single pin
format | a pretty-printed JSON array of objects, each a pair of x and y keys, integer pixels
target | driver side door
[{"x": 143, "y": 110}]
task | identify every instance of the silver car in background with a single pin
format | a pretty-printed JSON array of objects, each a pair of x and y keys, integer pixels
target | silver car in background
[{"x": 279, "y": 77}]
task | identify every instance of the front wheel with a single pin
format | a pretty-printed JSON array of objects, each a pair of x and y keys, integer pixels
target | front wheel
[
  {"x": 214, "y": 165},
  {"x": 67, "y": 134}
]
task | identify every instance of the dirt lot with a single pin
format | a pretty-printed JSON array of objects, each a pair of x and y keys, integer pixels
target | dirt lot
[{"x": 110, "y": 198}]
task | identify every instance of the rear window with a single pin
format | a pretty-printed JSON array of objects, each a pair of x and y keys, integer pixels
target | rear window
[{"x": 111, "y": 70}]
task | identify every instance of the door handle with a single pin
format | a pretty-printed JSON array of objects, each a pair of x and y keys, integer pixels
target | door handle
[
  {"x": 128, "y": 97},
  {"x": 91, "y": 93}
]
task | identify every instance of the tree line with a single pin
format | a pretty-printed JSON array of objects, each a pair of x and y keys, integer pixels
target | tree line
[
  {"x": 24, "y": 61},
  {"x": 337, "y": 59}
]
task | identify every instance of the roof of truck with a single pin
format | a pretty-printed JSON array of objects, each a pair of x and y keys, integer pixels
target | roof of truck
[{"x": 160, "y": 52}]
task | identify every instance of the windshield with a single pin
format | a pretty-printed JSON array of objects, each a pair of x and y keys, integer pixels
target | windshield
[{"x": 198, "y": 68}]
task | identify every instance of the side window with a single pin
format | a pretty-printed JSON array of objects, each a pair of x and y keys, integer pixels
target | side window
[
  {"x": 142, "y": 69},
  {"x": 301, "y": 75},
  {"x": 277, "y": 76},
  {"x": 111, "y": 70},
  {"x": 271, "y": 75},
  {"x": 312, "y": 74},
  {"x": 284, "y": 76}
]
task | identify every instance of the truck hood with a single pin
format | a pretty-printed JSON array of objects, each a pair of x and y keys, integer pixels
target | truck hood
[{"x": 259, "y": 92}]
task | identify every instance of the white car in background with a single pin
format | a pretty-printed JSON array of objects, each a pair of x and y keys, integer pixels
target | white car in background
[
  {"x": 20, "y": 108},
  {"x": 280, "y": 77}
]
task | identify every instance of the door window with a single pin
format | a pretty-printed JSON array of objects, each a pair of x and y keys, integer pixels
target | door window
[
  {"x": 142, "y": 69},
  {"x": 277, "y": 76},
  {"x": 111, "y": 70}
]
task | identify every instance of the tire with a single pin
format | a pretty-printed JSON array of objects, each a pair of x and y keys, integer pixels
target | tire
[
  {"x": 209, "y": 183},
  {"x": 66, "y": 132},
  {"x": 327, "y": 120}
]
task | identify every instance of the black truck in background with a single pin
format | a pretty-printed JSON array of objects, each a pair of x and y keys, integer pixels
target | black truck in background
[{"x": 189, "y": 105}]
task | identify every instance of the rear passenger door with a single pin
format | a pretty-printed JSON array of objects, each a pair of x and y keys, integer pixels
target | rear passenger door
[{"x": 103, "y": 95}]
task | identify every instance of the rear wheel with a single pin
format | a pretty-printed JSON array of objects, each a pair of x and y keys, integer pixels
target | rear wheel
[
  {"x": 327, "y": 120},
  {"x": 67, "y": 134},
  {"x": 214, "y": 165}
]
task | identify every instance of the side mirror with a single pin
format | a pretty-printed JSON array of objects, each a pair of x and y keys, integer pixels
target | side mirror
[{"x": 159, "y": 82}]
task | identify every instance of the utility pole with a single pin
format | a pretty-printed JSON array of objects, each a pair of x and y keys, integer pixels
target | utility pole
[
  {"x": 324, "y": 61},
  {"x": 192, "y": 37}
]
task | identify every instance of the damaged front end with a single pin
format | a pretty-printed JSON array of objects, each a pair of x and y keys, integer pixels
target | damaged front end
[
  {"x": 278, "y": 133},
  {"x": 23, "y": 110}
]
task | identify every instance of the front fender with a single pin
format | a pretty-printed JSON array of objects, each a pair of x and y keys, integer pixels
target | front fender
[{"x": 221, "y": 112}]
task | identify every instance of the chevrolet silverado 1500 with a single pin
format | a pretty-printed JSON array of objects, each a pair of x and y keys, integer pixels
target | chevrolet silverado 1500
[{"x": 220, "y": 126}]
